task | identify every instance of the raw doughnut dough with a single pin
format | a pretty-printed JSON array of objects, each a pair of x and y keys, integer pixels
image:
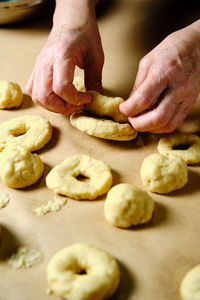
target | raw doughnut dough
[
  {"x": 83, "y": 272},
  {"x": 10, "y": 94},
  {"x": 63, "y": 178},
  {"x": 163, "y": 174},
  {"x": 128, "y": 205},
  {"x": 4, "y": 199},
  {"x": 190, "y": 285},
  {"x": 79, "y": 84},
  {"x": 191, "y": 155},
  {"x": 24, "y": 257},
  {"x": 19, "y": 167},
  {"x": 102, "y": 128},
  {"x": 28, "y": 131},
  {"x": 106, "y": 106}
]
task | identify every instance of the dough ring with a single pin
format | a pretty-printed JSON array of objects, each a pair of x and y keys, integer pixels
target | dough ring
[
  {"x": 102, "y": 128},
  {"x": 83, "y": 272},
  {"x": 184, "y": 145},
  {"x": 10, "y": 94},
  {"x": 63, "y": 179},
  {"x": 20, "y": 168},
  {"x": 30, "y": 132},
  {"x": 163, "y": 174},
  {"x": 190, "y": 284},
  {"x": 128, "y": 205}
]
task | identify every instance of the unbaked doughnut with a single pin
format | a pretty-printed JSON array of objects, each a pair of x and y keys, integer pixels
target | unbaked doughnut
[
  {"x": 19, "y": 167},
  {"x": 163, "y": 174},
  {"x": 184, "y": 145},
  {"x": 102, "y": 128},
  {"x": 83, "y": 272},
  {"x": 190, "y": 285},
  {"x": 28, "y": 131},
  {"x": 10, "y": 94},
  {"x": 63, "y": 178},
  {"x": 128, "y": 205}
]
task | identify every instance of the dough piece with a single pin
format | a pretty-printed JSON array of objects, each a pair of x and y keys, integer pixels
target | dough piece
[
  {"x": 10, "y": 94},
  {"x": 24, "y": 257},
  {"x": 190, "y": 285},
  {"x": 106, "y": 106},
  {"x": 55, "y": 206},
  {"x": 28, "y": 131},
  {"x": 63, "y": 178},
  {"x": 163, "y": 174},
  {"x": 102, "y": 128},
  {"x": 83, "y": 272},
  {"x": 128, "y": 205},
  {"x": 19, "y": 167},
  {"x": 79, "y": 84},
  {"x": 4, "y": 199},
  {"x": 190, "y": 144}
]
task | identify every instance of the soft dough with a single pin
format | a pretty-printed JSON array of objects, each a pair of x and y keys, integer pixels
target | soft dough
[
  {"x": 10, "y": 94},
  {"x": 163, "y": 174},
  {"x": 19, "y": 167},
  {"x": 128, "y": 205},
  {"x": 190, "y": 285},
  {"x": 83, "y": 272},
  {"x": 63, "y": 178}
]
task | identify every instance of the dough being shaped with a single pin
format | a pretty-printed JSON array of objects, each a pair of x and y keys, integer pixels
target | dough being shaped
[
  {"x": 83, "y": 272},
  {"x": 63, "y": 179},
  {"x": 128, "y": 205},
  {"x": 28, "y": 131},
  {"x": 10, "y": 94},
  {"x": 24, "y": 257},
  {"x": 19, "y": 167},
  {"x": 4, "y": 199},
  {"x": 54, "y": 206},
  {"x": 190, "y": 285},
  {"x": 102, "y": 128},
  {"x": 163, "y": 174},
  {"x": 79, "y": 84},
  {"x": 187, "y": 146}
]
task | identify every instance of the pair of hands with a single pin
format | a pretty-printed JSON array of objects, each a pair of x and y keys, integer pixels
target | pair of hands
[{"x": 165, "y": 89}]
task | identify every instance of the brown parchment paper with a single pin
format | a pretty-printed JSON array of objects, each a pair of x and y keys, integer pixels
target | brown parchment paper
[{"x": 153, "y": 258}]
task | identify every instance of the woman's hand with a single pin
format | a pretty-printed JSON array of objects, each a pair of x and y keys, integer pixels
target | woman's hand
[
  {"x": 74, "y": 41},
  {"x": 167, "y": 84}
]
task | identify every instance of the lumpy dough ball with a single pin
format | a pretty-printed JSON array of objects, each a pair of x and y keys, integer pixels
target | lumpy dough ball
[
  {"x": 190, "y": 285},
  {"x": 83, "y": 272},
  {"x": 163, "y": 174},
  {"x": 128, "y": 205},
  {"x": 10, "y": 94},
  {"x": 19, "y": 167}
]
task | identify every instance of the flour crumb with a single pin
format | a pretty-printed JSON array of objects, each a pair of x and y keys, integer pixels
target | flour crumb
[
  {"x": 24, "y": 258},
  {"x": 4, "y": 199},
  {"x": 54, "y": 206}
]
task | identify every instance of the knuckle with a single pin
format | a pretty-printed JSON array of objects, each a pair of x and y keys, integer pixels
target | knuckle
[
  {"x": 144, "y": 63},
  {"x": 59, "y": 88},
  {"x": 161, "y": 119}
]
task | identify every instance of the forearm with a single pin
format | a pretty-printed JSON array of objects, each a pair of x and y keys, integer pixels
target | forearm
[
  {"x": 73, "y": 13},
  {"x": 196, "y": 28}
]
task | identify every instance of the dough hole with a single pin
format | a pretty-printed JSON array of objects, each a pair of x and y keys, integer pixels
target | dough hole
[
  {"x": 82, "y": 178},
  {"x": 182, "y": 146},
  {"x": 82, "y": 272}
]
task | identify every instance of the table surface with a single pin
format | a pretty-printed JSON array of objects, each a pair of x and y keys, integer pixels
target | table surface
[{"x": 153, "y": 258}]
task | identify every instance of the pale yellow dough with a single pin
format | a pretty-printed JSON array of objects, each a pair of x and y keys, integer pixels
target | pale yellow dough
[
  {"x": 191, "y": 155},
  {"x": 19, "y": 167},
  {"x": 27, "y": 131},
  {"x": 63, "y": 178},
  {"x": 83, "y": 272},
  {"x": 4, "y": 199},
  {"x": 24, "y": 257},
  {"x": 163, "y": 174},
  {"x": 51, "y": 206},
  {"x": 10, "y": 94},
  {"x": 190, "y": 285},
  {"x": 128, "y": 205},
  {"x": 102, "y": 128},
  {"x": 79, "y": 84}
]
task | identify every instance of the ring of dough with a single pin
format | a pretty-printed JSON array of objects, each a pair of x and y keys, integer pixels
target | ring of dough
[
  {"x": 20, "y": 168},
  {"x": 63, "y": 178},
  {"x": 128, "y": 205},
  {"x": 83, "y": 272},
  {"x": 10, "y": 94},
  {"x": 190, "y": 143},
  {"x": 189, "y": 288},
  {"x": 102, "y": 128},
  {"x": 30, "y": 132}
]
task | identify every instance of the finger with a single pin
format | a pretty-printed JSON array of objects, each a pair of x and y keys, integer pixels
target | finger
[
  {"x": 29, "y": 85},
  {"x": 63, "y": 75},
  {"x": 145, "y": 96},
  {"x": 159, "y": 116}
]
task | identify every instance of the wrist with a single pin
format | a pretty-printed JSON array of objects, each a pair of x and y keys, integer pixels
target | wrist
[{"x": 195, "y": 27}]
